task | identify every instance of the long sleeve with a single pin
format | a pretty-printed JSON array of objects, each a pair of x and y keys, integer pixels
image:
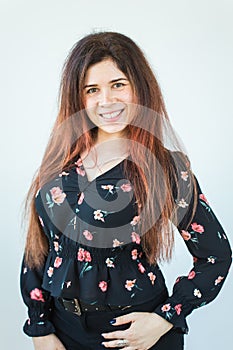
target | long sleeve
[
  {"x": 37, "y": 300},
  {"x": 208, "y": 244}
]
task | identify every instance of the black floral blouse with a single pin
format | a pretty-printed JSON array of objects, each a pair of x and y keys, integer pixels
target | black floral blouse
[{"x": 86, "y": 263}]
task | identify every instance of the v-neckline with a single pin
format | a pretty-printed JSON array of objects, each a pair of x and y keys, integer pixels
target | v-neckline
[{"x": 100, "y": 175}]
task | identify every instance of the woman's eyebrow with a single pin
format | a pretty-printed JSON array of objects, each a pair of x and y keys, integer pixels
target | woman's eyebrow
[{"x": 112, "y": 81}]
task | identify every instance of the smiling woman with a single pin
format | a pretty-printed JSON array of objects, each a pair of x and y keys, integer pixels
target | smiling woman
[
  {"x": 108, "y": 100},
  {"x": 96, "y": 234}
]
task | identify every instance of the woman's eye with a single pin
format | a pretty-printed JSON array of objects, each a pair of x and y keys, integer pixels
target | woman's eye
[
  {"x": 119, "y": 85},
  {"x": 91, "y": 91}
]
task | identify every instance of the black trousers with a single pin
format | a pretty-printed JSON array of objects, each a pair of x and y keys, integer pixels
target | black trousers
[{"x": 84, "y": 332}]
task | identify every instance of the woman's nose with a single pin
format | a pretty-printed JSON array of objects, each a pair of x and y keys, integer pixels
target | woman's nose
[{"x": 106, "y": 96}]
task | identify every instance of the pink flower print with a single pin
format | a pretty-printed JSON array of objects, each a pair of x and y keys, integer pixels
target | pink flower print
[
  {"x": 56, "y": 246},
  {"x": 134, "y": 254},
  {"x": 195, "y": 259},
  {"x": 191, "y": 275},
  {"x": 218, "y": 280},
  {"x": 88, "y": 235},
  {"x": 57, "y": 262},
  {"x": 203, "y": 198},
  {"x": 83, "y": 255},
  {"x": 36, "y": 294},
  {"x": 184, "y": 175},
  {"x": 135, "y": 220},
  {"x": 141, "y": 268},
  {"x": 129, "y": 284},
  {"x": 50, "y": 271},
  {"x": 166, "y": 307},
  {"x": 197, "y": 228},
  {"x": 135, "y": 237},
  {"x": 41, "y": 221},
  {"x": 116, "y": 243},
  {"x": 29, "y": 321},
  {"x": 177, "y": 280},
  {"x": 108, "y": 187},
  {"x": 79, "y": 162},
  {"x": 126, "y": 187},
  {"x": 58, "y": 196},
  {"x": 80, "y": 171},
  {"x": 109, "y": 262},
  {"x": 197, "y": 293},
  {"x": 103, "y": 286},
  {"x": 182, "y": 203},
  {"x": 25, "y": 270},
  {"x": 186, "y": 235},
  {"x": 178, "y": 309},
  {"x": 87, "y": 256},
  {"x": 98, "y": 215},
  {"x": 81, "y": 198},
  {"x": 152, "y": 277}
]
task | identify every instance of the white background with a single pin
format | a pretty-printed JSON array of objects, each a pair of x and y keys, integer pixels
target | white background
[{"x": 190, "y": 46}]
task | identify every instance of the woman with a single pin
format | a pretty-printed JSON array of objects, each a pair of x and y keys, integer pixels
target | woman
[{"x": 102, "y": 211}]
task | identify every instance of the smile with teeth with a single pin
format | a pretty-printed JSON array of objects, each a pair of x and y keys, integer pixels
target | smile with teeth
[{"x": 112, "y": 115}]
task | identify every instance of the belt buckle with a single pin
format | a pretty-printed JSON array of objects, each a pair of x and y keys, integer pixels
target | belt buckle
[{"x": 77, "y": 307}]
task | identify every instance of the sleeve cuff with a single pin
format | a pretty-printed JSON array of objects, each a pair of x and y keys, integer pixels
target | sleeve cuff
[
  {"x": 175, "y": 313},
  {"x": 38, "y": 322},
  {"x": 38, "y": 329}
]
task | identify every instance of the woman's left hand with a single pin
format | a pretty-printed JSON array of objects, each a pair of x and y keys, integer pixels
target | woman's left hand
[{"x": 145, "y": 330}]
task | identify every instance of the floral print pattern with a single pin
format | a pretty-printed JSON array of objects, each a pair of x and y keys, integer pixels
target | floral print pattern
[
  {"x": 36, "y": 294},
  {"x": 103, "y": 286},
  {"x": 119, "y": 274},
  {"x": 170, "y": 311}
]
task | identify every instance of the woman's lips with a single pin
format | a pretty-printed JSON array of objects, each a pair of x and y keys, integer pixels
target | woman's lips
[{"x": 113, "y": 116}]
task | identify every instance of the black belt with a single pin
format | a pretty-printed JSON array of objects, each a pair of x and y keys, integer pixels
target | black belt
[{"x": 78, "y": 307}]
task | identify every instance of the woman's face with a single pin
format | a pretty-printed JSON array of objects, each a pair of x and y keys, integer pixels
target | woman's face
[{"x": 107, "y": 97}]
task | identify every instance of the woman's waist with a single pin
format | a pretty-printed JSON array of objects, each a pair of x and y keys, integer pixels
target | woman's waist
[{"x": 78, "y": 306}]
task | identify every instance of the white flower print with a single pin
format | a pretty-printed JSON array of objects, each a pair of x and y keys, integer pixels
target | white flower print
[
  {"x": 182, "y": 203},
  {"x": 98, "y": 215},
  {"x": 117, "y": 243},
  {"x": 184, "y": 175},
  {"x": 197, "y": 293},
  {"x": 50, "y": 271},
  {"x": 68, "y": 284},
  {"x": 63, "y": 174},
  {"x": 109, "y": 262},
  {"x": 211, "y": 259},
  {"x": 152, "y": 277},
  {"x": 135, "y": 220},
  {"x": 108, "y": 187}
]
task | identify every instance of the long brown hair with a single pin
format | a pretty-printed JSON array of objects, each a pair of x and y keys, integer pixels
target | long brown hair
[{"x": 79, "y": 135}]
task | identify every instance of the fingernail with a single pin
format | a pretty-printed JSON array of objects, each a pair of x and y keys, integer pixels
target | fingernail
[{"x": 112, "y": 321}]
